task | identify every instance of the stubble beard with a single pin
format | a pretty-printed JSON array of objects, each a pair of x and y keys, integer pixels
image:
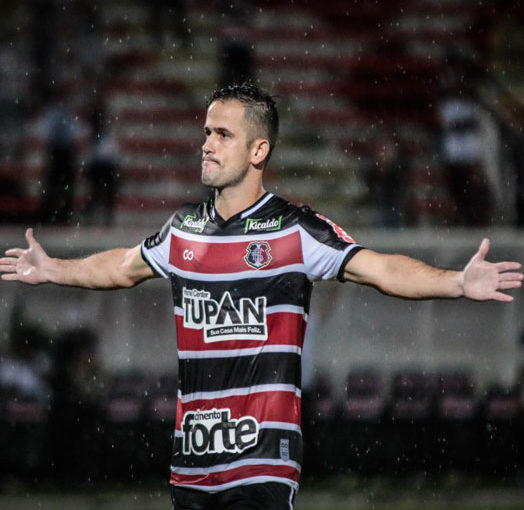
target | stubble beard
[{"x": 217, "y": 183}]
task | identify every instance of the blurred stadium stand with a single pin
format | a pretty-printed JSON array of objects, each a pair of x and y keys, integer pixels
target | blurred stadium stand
[{"x": 342, "y": 73}]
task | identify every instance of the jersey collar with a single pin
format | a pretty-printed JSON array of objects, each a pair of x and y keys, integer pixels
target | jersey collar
[{"x": 213, "y": 213}]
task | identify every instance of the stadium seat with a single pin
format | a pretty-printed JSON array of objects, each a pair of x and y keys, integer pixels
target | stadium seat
[
  {"x": 320, "y": 426},
  {"x": 501, "y": 447},
  {"x": 363, "y": 413},
  {"x": 160, "y": 414},
  {"x": 410, "y": 425},
  {"x": 457, "y": 421},
  {"x": 124, "y": 445},
  {"x": 24, "y": 423}
]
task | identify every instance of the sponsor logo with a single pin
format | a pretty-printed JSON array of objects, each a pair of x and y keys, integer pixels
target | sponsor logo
[
  {"x": 214, "y": 431},
  {"x": 191, "y": 223},
  {"x": 258, "y": 254},
  {"x": 269, "y": 225},
  {"x": 222, "y": 320},
  {"x": 284, "y": 449},
  {"x": 341, "y": 233}
]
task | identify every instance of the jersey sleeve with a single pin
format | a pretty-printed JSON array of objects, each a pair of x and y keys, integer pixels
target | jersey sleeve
[
  {"x": 155, "y": 250},
  {"x": 327, "y": 248}
]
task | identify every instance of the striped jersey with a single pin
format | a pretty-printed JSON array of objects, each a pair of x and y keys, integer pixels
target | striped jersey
[{"x": 241, "y": 291}]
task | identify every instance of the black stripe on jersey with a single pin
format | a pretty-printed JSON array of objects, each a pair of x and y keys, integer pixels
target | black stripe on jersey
[
  {"x": 267, "y": 447},
  {"x": 217, "y": 374},
  {"x": 159, "y": 237},
  {"x": 347, "y": 258},
  {"x": 285, "y": 289}
]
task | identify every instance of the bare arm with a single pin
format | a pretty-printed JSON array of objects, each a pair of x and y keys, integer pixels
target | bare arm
[
  {"x": 402, "y": 276},
  {"x": 113, "y": 269}
]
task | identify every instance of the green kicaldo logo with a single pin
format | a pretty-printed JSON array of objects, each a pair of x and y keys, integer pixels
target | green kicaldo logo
[
  {"x": 269, "y": 225},
  {"x": 191, "y": 223}
]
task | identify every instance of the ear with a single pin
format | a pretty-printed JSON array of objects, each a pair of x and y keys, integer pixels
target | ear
[{"x": 259, "y": 151}]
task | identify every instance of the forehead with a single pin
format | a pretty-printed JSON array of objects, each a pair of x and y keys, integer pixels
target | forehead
[{"x": 225, "y": 113}]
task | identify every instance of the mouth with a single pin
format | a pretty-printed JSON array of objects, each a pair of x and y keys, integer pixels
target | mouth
[{"x": 210, "y": 160}]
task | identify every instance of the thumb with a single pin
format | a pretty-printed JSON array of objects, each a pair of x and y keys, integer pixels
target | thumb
[
  {"x": 483, "y": 249},
  {"x": 31, "y": 241}
]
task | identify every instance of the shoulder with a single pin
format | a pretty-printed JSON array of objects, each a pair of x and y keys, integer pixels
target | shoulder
[
  {"x": 321, "y": 227},
  {"x": 188, "y": 215}
]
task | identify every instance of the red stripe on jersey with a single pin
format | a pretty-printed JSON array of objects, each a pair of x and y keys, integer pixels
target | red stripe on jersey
[
  {"x": 241, "y": 473},
  {"x": 281, "y": 406},
  {"x": 229, "y": 257},
  {"x": 284, "y": 328}
]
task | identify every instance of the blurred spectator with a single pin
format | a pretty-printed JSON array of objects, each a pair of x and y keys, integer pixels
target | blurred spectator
[
  {"x": 103, "y": 165},
  {"x": 25, "y": 369},
  {"x": 75, "y": 417},
  {"x": 168, "y": 18},
  {"x": 42, "y": 27},
  {"x": 468, "y": 147},
  {"x": 88, "y": 44},
  {"x": 505, "y": 73},
  {"x": 13, "y": 95},
  {"x": 387, "y": 182},
  {"x": 60, "y": 133},
  {"x": 237, "y": 54}
]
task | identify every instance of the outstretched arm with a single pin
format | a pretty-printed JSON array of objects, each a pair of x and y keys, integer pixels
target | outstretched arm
[
  {"x": 402, "y": 276},
  {"x": 113, "y": 269}
]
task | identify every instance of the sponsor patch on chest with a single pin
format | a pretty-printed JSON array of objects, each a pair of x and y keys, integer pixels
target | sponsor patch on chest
[
  {"x": 214, "y": 431},
  {"x": 223, "y": 320}
]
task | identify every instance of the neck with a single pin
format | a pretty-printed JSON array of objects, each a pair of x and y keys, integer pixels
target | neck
[{"x": 229, "y": 202}]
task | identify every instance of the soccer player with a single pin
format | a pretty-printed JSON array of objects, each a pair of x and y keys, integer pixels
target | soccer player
[{"x": 241, "y": 267}]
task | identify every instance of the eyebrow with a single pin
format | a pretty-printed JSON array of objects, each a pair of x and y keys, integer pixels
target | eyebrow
[{"x": 219, "y": 130}]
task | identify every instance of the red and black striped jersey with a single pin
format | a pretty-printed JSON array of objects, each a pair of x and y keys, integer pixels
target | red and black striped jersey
[{"x": 241, "y": 291}]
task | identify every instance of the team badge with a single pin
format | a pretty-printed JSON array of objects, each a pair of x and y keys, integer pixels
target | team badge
[{"x": 258, "y": 254}]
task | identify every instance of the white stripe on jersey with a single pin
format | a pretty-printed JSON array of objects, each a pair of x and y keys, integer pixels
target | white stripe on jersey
[
  {"x": 269, "y": 310},
  {"x": 238, "y": 392},
  {"x": 286, "y": 309},
  {"x": 234, "y": 353},
  {"x": 217, "y": 277},
  {"x": 243, "y": 481},
  {"x": 250, "y": 273},
  {"x": 245, "y": 214},
  {"x": 323, "y": 263},
  {"x": 229, "y": 239},
  {"x": 157, "y": 268},
  {"x": 280, "y": 425},
  {"x": 234, "y": 465}
]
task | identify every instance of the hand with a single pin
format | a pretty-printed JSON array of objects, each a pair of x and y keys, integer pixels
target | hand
[
  {"x": 483, "y": 280},
  {"x": 27, "y": 266}
]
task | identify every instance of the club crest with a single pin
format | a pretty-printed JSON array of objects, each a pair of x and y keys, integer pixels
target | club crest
[{"x": 258, "y": 254}]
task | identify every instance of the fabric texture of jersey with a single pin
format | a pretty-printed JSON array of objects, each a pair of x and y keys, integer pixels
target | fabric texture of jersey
[{"x": 241, "y": 291}]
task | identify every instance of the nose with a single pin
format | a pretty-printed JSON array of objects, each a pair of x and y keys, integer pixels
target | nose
[{"x": 207, "y": 147}]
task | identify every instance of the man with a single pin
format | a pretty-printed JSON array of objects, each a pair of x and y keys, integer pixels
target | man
[{"x": 241, "y": 267}]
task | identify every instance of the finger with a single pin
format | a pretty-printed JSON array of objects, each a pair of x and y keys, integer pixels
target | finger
[
  {"x": 507, "y": 266},
  {"x": 7, "y": 268},
  {"x": 14, "y": 252},
  {"x": 9, "y": 260},
  {"x": 510, "y": 276},
  {"x": 483, "y": 249},
  {"x": 509, "y": 285},
  {"x": 500, "y": 296},
  {"x": 10, "y": 276}
]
